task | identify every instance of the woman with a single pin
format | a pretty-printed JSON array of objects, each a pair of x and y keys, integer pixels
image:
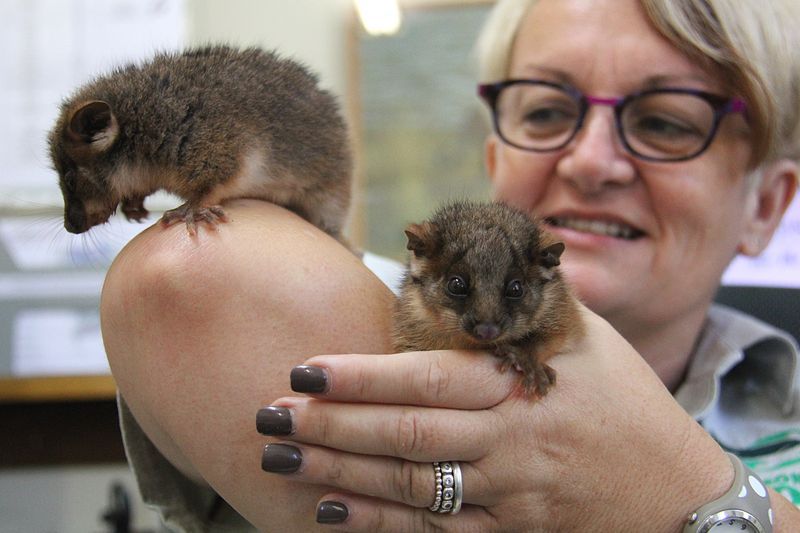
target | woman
[
  {"x": 652, "y": 203},
  {"x": 648, "y": 232}
]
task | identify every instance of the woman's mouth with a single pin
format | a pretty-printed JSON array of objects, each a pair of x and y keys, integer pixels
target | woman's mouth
[{"x": 597, "y": 227}]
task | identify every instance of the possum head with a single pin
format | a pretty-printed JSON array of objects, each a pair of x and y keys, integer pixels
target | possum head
[
  {"x": 79, "y": 147},
  {"x": 482, "y": 272}
]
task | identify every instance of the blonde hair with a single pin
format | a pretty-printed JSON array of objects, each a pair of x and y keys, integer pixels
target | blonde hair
[{"x": 752, "y": 45}]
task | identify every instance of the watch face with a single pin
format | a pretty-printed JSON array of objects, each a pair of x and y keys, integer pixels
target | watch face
[{"x": 733, "y": 524}]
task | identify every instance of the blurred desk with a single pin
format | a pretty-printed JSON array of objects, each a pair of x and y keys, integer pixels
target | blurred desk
[
  {"x": 64, "y": 420},
  {"x": 60, "y": 433},
  {"x": 57, "y": 389}
]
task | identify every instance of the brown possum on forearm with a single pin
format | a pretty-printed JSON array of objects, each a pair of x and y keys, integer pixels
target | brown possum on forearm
[
  {"x": 485, "y": 276},
  {"x": 208, "y": 125}
]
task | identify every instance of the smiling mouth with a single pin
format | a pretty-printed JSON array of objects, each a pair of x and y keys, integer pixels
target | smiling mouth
[{"x": 597, "y": 227}]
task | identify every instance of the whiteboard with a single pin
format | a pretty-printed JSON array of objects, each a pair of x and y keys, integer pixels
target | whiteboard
[{"x": 51, "y": 47}]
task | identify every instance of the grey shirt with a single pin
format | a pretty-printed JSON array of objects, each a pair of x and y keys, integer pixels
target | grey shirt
[{"x": 742, "y": 386}]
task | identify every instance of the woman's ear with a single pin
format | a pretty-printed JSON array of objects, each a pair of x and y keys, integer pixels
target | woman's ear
[
  {"x": 771, "y": 196},
  {"x": 490, "y": 149}
]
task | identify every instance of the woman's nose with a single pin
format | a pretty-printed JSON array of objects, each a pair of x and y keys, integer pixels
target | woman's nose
[{"x": 595, "y": 159}]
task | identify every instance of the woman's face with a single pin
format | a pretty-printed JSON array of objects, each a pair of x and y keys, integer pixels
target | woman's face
[{"x": 688, "y": 218}]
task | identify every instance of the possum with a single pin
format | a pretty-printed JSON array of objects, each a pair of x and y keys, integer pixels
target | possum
[
  {"x": 485, "y": 276},
  {"x": 207, "y": 124}
]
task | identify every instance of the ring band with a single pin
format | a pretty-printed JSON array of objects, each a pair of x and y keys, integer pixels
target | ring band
[{"x": 449, "y": 487}]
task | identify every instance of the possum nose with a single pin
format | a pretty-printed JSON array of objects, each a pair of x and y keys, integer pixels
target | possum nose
[
  {"x": 486, "y": 331},
  {"x": 75, "y": 219},
  {"x": 70, "y": 227},
  {"x": 75, "y": 225}
]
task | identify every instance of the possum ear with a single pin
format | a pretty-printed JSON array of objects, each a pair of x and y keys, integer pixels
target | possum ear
[
  {"x": 423, "y": 239},
  {"x": 550, "y": 256},
  {"x": 93, "y": 125}
]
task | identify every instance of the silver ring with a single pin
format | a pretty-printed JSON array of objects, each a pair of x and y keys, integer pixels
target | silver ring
[{"x": 449, "y": 487}]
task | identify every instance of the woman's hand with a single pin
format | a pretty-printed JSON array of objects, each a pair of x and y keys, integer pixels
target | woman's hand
[{"x": 607, "y": 449}]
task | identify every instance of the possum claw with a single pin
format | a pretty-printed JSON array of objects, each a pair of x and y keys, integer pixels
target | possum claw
[
  {"x": 191, "y": 215},
  {"x": 538, "y": 380}
]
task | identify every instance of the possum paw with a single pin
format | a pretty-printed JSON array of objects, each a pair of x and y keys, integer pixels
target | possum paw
[
  {"x": 191, "y": 215},
  {"x": 538, "y": 380},
  {"x": 133, "y": 209}
]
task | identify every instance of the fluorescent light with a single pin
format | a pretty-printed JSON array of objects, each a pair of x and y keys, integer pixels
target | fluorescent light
[{"x": 379, "y": 17}]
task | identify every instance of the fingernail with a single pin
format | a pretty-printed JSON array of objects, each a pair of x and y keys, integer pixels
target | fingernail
[
  {"x": 281, "y": 458},
  {"x": 274, "y": 421},
  {"x": 309, "y": 379},
  {"x": 330, "y": 512}
]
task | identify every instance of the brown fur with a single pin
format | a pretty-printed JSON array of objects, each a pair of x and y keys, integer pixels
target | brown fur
[
  {"x": 207, "y": 125},
  {"x": 489, "y": 246}
]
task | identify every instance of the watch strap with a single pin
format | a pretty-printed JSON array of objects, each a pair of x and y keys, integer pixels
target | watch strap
[{"x": 747, "y": 499}]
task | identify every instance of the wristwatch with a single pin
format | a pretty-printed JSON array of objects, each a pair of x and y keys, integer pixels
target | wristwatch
[{"x": 744, "y": 508}]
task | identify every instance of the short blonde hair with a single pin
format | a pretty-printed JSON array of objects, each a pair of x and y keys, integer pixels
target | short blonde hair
[{"x": 752, "y": 45}]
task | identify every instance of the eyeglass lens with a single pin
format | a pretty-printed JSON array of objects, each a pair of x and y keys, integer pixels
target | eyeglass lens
[{"x": 663, "y": 126}]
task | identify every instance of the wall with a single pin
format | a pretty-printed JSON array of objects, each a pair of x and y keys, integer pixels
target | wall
[{"x": 313, "y": 31}]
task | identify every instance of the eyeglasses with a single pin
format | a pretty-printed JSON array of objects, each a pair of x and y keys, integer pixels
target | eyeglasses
[{"x": 654, "y": 125}]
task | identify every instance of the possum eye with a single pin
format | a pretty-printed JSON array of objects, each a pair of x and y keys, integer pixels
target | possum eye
[
  {"x": 514, "y": 289},
  {"x": 456, "y": 286},
  {"x": 70, "y": 178}
]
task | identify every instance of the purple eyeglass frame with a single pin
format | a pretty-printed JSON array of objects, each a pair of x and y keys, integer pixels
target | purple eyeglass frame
[{"x": 490, "y": 93}]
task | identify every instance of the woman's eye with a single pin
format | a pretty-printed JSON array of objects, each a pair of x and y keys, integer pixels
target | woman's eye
[
  {"x": 656, "y": 126},
  {"x": 547, "y": 117},
  {"x": 514, "y": 289},
  {"x": 456, "y": 286}
]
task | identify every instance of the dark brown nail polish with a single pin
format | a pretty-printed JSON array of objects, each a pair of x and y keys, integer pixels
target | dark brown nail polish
[
  {"x": 309, "y": 379},
  {"x": 330, "y": 512},
  {"x": 281, "y": 458},
  {"x": 276, "y": 421}
]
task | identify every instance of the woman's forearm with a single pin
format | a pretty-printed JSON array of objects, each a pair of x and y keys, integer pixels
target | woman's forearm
[{"x": 202, "y": 332}]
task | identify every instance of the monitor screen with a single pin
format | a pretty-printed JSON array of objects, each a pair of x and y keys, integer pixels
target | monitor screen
[{"x": 779, "y": 264}]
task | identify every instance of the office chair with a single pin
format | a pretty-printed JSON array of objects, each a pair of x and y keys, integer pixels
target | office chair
[{"x": 777, "y": 306}]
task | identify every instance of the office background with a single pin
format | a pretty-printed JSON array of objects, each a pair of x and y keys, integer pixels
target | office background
[{"x": 417, "y": 129}]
